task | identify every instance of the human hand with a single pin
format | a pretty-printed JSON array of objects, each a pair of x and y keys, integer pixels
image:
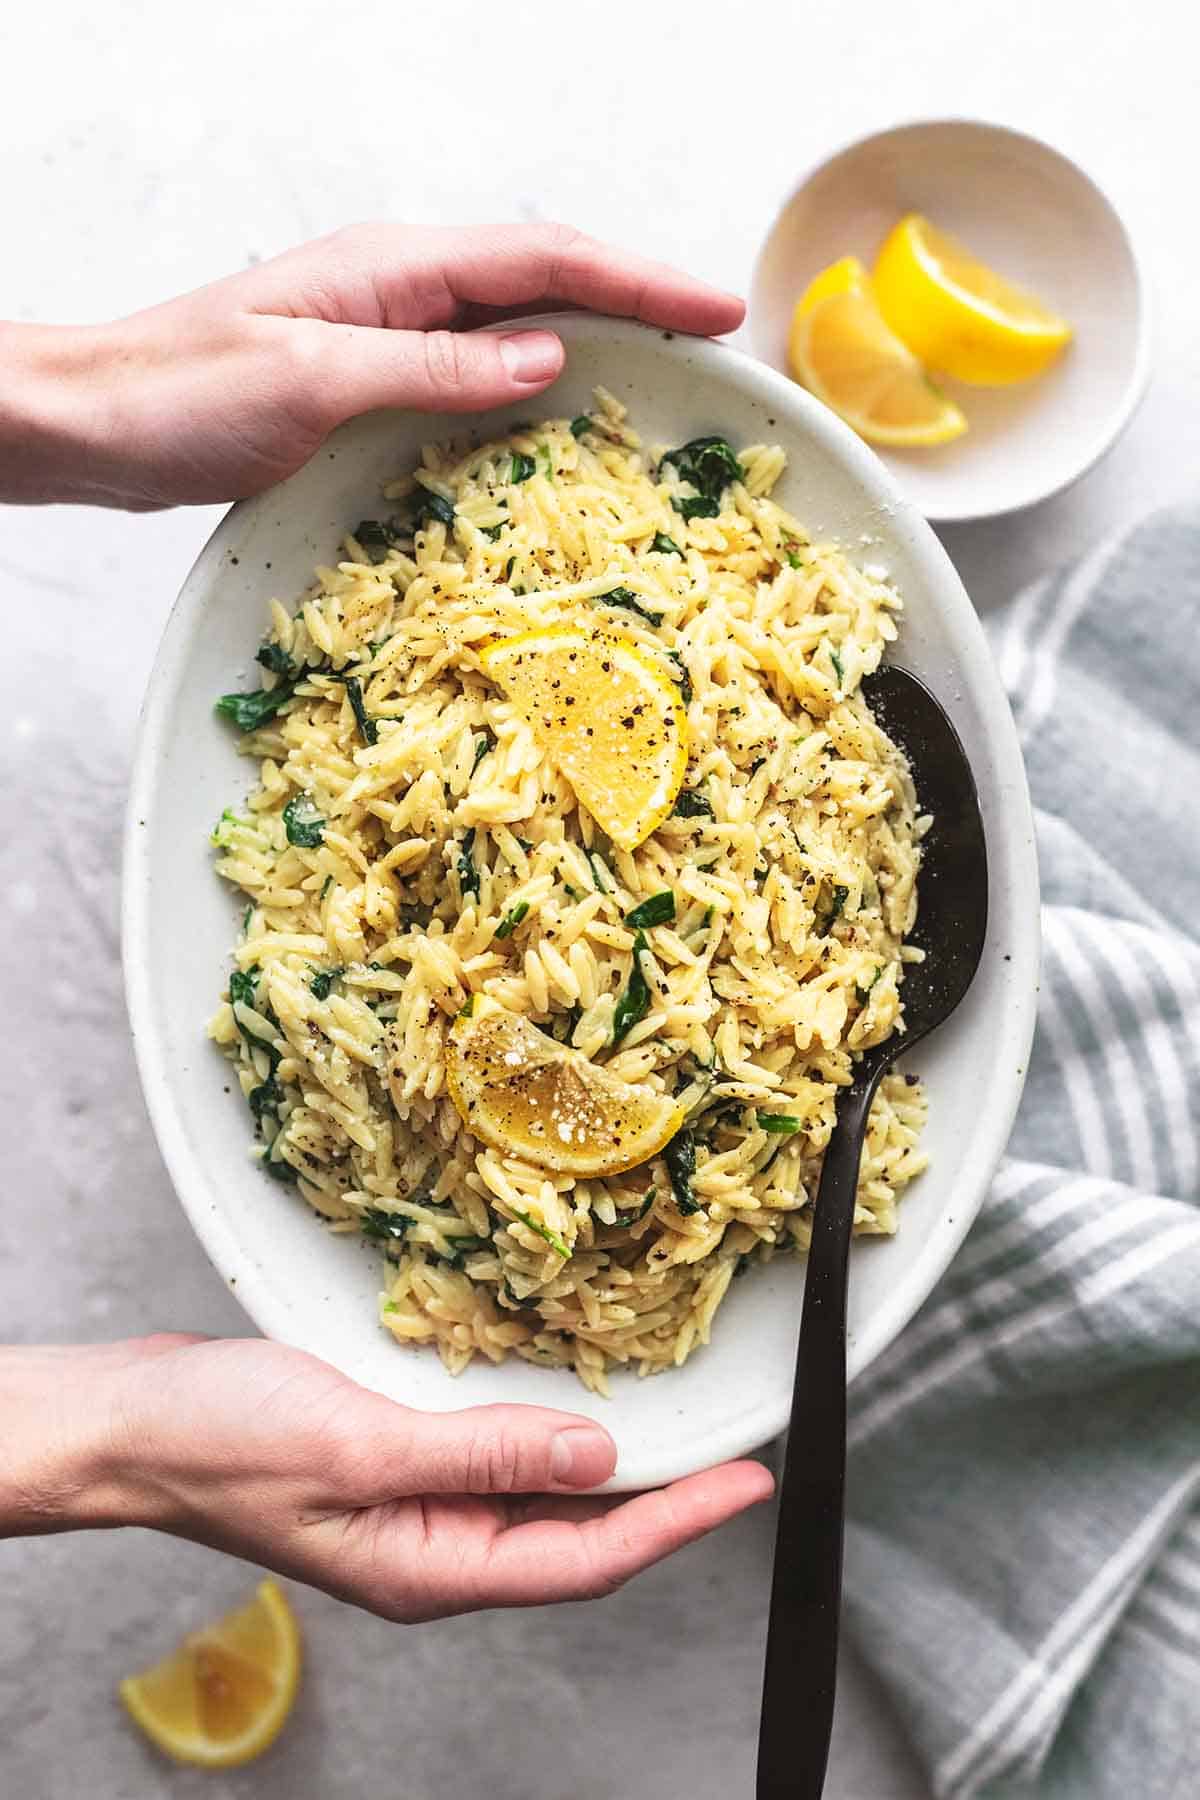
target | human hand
[
  {"x": 223, "y": 392},
  {"x": 268, "y": 1453}
]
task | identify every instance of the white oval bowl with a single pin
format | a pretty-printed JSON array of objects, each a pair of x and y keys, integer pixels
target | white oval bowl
[
  {"x": 1032, "y": 213},
  {"x": 304, "y": 1287}
]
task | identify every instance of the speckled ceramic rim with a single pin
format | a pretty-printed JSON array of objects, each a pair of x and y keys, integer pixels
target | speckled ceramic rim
[
  {"x": 1139, "y": 374},
  {"x": 762, "y": 1409}
]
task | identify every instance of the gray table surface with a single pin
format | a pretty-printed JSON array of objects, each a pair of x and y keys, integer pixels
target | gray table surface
[{"x": 142, "y": 162}]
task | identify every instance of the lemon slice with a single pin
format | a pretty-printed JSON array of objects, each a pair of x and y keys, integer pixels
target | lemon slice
[
  {"x": 528, "y": 1096},
  {"x": 223, "y": 1696},
  {"x": 847, "y": 275},
  {"x": 958, "y": 315},
  {"x": 844, "y": 353},
  {"x": 607, "y": 713}
]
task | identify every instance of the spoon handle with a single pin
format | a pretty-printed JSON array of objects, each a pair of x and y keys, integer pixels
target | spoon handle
[{"x": 802, "y": 1638}]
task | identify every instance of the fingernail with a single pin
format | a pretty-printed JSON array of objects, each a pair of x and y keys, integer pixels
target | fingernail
[
  {"x": 531, "y": 355},
  {"x": 581, "y": 1456}
]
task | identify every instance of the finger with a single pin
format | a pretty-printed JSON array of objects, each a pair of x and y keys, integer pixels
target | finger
[
  {"x": 473, "y": 317},
  {"x": 415, "y": 278},
  {"x": 488, "y": 1450},
  {"x": 512, "y": 265},
  {"x": 581, "y": 1558},
  {"x": 525, "y": 1509},
  {"x": 358, "y": 368}
]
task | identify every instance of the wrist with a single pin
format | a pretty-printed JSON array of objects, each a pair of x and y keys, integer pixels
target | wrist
[
  {"x": 62, "y": 1462},
  {"x": 57, "y": 428}
]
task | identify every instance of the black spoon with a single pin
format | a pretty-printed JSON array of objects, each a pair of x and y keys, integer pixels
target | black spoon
[{"x": 801, "y": 1670}]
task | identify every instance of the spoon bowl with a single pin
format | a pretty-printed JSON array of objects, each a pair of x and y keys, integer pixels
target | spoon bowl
[
  {"x": 952, "y": 912},
  {"x": 951, "y": 930}
]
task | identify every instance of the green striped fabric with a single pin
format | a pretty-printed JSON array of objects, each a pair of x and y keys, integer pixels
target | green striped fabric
[{"x": 1023, "y": 1541}]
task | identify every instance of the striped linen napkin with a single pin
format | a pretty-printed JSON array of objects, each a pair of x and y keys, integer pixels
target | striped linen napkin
[{"x": 1023, "y": 1540}]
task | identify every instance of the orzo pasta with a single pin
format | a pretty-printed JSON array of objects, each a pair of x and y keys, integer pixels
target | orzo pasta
[{"x": 417, "y": 862}]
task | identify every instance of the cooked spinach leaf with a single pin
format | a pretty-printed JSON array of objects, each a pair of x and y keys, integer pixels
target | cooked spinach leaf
[
  {"x": 602, "y": 875},
  {"x": 368, "y": 730},
  {"x": 632, "y": 1218},
  {"x": 278, "y": 1170},
  {"x": 840, "y": 896},
  {"x": 303, "y": 823},
  {"x": 275, "y": 657},
  {"x": 622, "y": 596},
  {"x": 695, "y": 506},
  {"x": 468, "y": 874},
  {"x": 243, "y": 991},
  {"x": 634, "y": 1003},
  {"x": 249, "y": 711},
  {"x": 666, "y": 546},
  {"x": 482, "y": 746},
  {"x": 432, "y": 506},
  {"x": 655, "y": 911},
  {"x": 691, "y": 805},
  {"x": 864, "y": 993},
  {"x": 266, "y": 1098},
  {"x": 323, "y": 980},
  {"x": 543, "y": 1231},
  {"x": 681, "y": 676},
  {"x": 383, "y": 1227},
  {"x": 522, "y": 467},
  {"x": 243, "y": 984},
  {"x": 221, "y": 835},
  {"x": 709, "y": 464},
  {"x": 838, "y": 669},
  {"x": 782, "y": 1124},
  {"x": 376, "y": 539},
  {"x": 680, "y": 1158},
  {"x": 511, "y": 920},
  {"x": 462, "y": 1246},
  {"x": 580, "y": 424}
]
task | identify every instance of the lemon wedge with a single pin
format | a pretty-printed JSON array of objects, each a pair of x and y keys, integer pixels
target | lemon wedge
[
  {"x": 607, "y": 713},
  {"x": 841, "y": 348},
  {"x": 958, "y": 315},
  {"x": 845, "y": 276},
  {"x": 526, "y": 1095},
  {"x": 223, "y": 1696}
]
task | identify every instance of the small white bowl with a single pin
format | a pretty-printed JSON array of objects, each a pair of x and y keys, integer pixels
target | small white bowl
[
  {"x": 1034, "y": 215},
  {"x": 305, "y": 1287}
]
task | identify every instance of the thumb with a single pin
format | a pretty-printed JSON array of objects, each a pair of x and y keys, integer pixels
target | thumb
[
  {"x": 489, "y": 1450},
  {"x": 363, "y": 367}
]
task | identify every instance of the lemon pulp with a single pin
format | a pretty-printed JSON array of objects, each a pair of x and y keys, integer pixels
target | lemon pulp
[
  {"x": 224, "y": 1695},
  {"x": 609, "y": 715},
  {"x": 957, "y": 314},
  {"x": 847, "y": 275},
  {"x": 528, "y": 1096},
  {"x": 844, "y": 352}
]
